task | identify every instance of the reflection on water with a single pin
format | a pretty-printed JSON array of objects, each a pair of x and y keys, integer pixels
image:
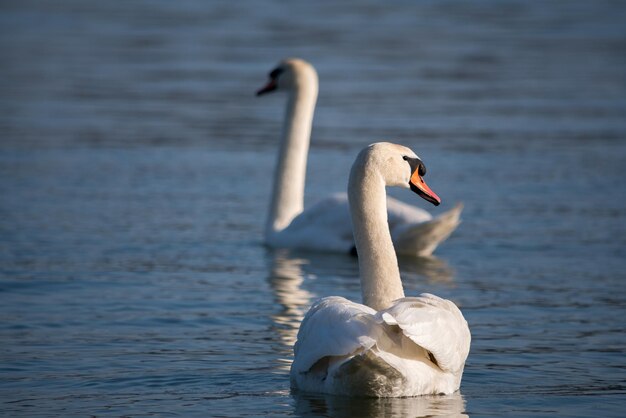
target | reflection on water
[
  {"x": 134, "y": 167},
  {"x": 286, "y": 277},
  {"x": 339, "y": 406},
  {"x": 433, "y": 269}
]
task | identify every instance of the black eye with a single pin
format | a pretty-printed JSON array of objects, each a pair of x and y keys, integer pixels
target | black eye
[
  {"x": 276, "y": 72},
  {"x": 422, "y": 169},
  {"x": 416, "y": 165}
]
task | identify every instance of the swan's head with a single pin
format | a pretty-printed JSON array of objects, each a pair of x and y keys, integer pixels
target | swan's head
[
  {"x": 399, "y": 166},
  {"x": 288, "y": 75}
]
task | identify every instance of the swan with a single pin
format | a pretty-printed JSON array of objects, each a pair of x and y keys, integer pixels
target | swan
[
  {"x": 326, "y": 225},
  {"x": 392, "y": 345}
]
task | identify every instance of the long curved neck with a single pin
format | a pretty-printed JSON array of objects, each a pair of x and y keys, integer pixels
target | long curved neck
[
  {"x": 378, "y": 264},
  {"x": 289, "y": 177}
]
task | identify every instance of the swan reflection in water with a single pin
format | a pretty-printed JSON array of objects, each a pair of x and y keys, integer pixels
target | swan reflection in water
[
  {"x": 286, "y": 277},
  {"x": 340, "y": 406},
  {"x": 415, "y": 269},
  {"x": 288, "y": 270}
]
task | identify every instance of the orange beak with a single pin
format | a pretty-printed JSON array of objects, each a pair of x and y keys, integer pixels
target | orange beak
[
  {"x": 270, "y": 86},
  {"x": 421, "y": 188}
]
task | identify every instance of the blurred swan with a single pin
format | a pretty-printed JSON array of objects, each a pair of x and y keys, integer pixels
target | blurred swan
[
  {"x": 391, "y": 346},
  {"x": 326, "y": 225}
]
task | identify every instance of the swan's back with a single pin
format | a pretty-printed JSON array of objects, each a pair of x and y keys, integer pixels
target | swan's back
[
  {"x": 415, "y": 347},
  {"x": 325, "y": 226}
]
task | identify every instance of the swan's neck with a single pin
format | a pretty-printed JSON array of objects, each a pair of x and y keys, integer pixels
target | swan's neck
[
  {"x": 288, "y": 193},
  {"x": 378, "y": 264}
]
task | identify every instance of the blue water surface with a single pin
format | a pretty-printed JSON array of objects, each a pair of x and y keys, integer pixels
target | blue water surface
[{"x": 135, "y": 175}]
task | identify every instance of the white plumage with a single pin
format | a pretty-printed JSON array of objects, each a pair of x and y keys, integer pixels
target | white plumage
[
  {"x": 417, "y": 346},
  {"x": 391, "y": 345},
  {"x": 326, "y": 226}
]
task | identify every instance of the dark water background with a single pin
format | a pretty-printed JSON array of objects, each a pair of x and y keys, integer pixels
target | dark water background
[{"x": 135, "y": 169}]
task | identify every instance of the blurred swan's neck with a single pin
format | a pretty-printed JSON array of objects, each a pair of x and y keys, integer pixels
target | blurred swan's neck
[
  {"x": 378, "y": 264},
  {"x": 288, "y": 193}
]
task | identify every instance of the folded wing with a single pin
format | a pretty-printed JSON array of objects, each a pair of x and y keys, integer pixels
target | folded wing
[
  {"x": 434, "y": 324},
  {"x": 333, "y": 327}
]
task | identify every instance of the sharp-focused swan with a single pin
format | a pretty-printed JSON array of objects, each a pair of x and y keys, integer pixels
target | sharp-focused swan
[
  {"x": 392, "y": 345},
  {"x": 326, "y": 225}
]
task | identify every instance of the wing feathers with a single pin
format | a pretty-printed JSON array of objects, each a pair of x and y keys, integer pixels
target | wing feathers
[
  {"x": 417, "y": 346},
  {"x": 334, "y": 326},
  {"x": 434, "y": 324}
]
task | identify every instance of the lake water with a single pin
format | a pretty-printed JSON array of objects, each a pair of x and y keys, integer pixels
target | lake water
[{"x": 135, "y": 168}]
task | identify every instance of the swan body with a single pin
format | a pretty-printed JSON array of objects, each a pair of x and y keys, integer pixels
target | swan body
[
  {"x": 326, "y": 226},
  {"x": 391, "y": 345}
]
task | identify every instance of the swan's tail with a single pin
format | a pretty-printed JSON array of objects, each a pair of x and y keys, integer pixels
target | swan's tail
[{"x": 423, "y": 238}]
